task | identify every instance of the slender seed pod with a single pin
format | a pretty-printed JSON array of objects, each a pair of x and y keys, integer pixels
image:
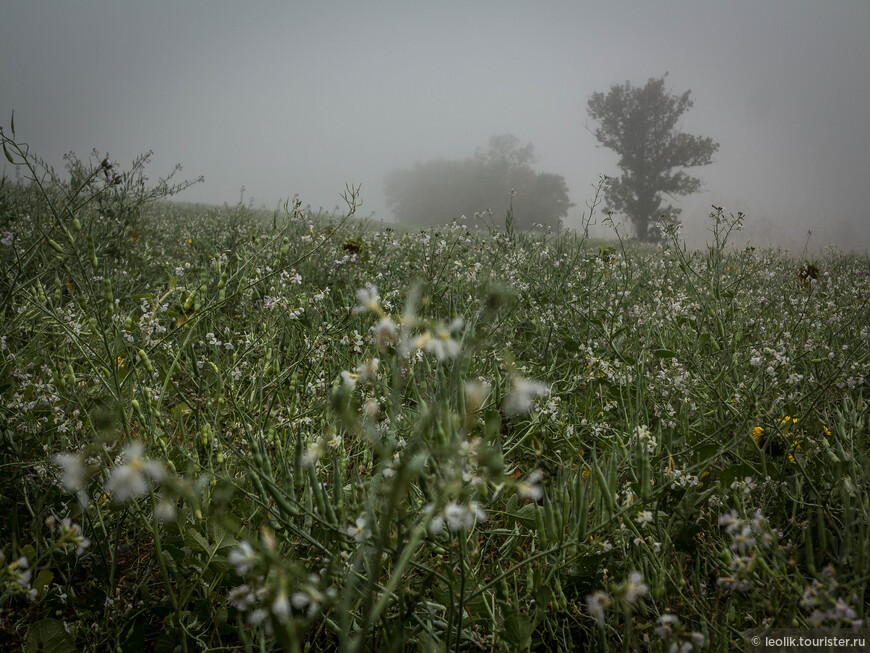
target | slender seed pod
[
  {"x": 540, "y": 527},
  {"x": 605, "y": 487},
  {"x": 92, "y": 253},
  {"x": 146, "y": 361},
  {"x": 55, "y": 246}
]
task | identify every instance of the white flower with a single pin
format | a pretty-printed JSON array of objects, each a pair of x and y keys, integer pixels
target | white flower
[
  {"x": 257, "y": 617},
  {"x": 524, "y": 392},
  {"x": 644, "y": 517},
  {"x": 476, "y": 393},
  {"x": 313, "y": 453},
  {"x": 300, "y": 600},
  {"x": 241, "y": 597},
  {"x": 281, "y": 607},
  {"x": 385, "y": 333},
  {"x": 439, "y": 341},
  {"x": 74, "y": 476},
  {"x": 7, "y": 239},
  {"x": 646, "y": 439},
  {"x": 165, "y": 510},
  {"x": 130, "y": 480},
  {"x": 369, "y": 300},
  {"x": 597, "y": 603},
  {"x": 367, "y": 370},
  {"x": 72, "y": 533},
  {"x": 359, "y": 530},
  {"x": 348, "y": 379},
  {"x": 635, "y": 588},
  {"x": 666, "y": 621},
  {"x": 243, "y": 558},
  {"x": 531, "y": 488},
  {"x": 460, "y": 517},
  {"x": 311, "y": 597},
  {"x": 730, "y": 521}
]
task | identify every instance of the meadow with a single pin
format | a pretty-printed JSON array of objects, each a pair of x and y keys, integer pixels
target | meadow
[{"x": 223, "y": 430}]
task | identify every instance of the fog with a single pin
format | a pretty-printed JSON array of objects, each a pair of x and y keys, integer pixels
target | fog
[{"x": 283, "y": 98}]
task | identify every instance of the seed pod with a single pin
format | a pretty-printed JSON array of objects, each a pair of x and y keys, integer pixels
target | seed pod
[
  {"x": 560, "y": 595},
  {"x": 107, "y": 287},
  {"x": 188, "y": 304},
  {"x": 76, "y": 225},
  {"x": 146, "y": 361},
  {"x": 91, "y": 253},
  {"x": 55, "y": 246},
  {"x": 606, "y": 494},
  {"x": 223, "y": 281},
  {"x": 540, "y": 527},
  {"x": 550, "y": 520}
]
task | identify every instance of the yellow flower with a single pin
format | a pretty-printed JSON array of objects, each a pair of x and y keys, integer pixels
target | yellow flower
[
  {"x": 757, "y": 432},
  {"x": 827, "y": 432},
  {"x": 796, "y": 447},
  {"x": 786, "y": 419}
]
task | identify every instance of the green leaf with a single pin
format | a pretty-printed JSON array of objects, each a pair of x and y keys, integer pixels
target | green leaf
[
  {"x": 48, "y": 636},
  {"x": 28, "y": 552},
  {"x": 736, "y": 472},
  {"x": 526, "y": 516},
  {"x": 197, "y": 542},
  {"x": 43, "y": 578},
  {"x": 517, "y": 630},
  {"x": 684, "y": 538},
  {"x": 664, "y": 353}
]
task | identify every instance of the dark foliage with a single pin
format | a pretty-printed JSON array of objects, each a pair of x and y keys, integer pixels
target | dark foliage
[
  {"x": 436, "y": 192},
  {"x": 640, "y": 124}
]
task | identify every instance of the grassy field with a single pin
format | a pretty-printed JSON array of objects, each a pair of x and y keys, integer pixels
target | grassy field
[{"x": 222, "y": 432}]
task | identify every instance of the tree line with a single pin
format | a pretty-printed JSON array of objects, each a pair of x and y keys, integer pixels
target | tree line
[{"x": 638, "y": 123}]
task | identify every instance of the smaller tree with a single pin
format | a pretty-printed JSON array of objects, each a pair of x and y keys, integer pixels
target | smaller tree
[
  {"x": 435, "y": 192},
  {"x": 640, "y": 124}
]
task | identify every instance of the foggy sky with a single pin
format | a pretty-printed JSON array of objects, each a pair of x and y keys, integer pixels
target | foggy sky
[{"x": 291, "y": 97}]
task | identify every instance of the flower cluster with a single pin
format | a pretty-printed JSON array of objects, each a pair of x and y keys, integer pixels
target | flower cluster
[
  {"x": 747, "y": 533},
  {"x": 823, "y": 600},
  {"x": 458, "y": 517}
]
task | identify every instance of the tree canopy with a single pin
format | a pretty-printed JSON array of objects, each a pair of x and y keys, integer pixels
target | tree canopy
[
  {"x": 640, "y": 124},
  {"x": 436, "y": 192}
]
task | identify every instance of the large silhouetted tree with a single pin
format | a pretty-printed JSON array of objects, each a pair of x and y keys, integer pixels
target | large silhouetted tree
[
  {"x": 436, "y": 192},
  {"x": 640, "y": 124}
]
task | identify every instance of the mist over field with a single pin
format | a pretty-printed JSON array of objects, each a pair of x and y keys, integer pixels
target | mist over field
[
  {"x": 282, "y": 99},
  {"x": 260, "y": 405}
]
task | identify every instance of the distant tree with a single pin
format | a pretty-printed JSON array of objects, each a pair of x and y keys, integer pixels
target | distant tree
[
  {"x": 640, "y": 124},
  {"x": 436, "y": 192}
]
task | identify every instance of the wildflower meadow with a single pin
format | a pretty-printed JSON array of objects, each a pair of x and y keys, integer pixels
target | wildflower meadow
[{"x": 223, "y": 429}]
